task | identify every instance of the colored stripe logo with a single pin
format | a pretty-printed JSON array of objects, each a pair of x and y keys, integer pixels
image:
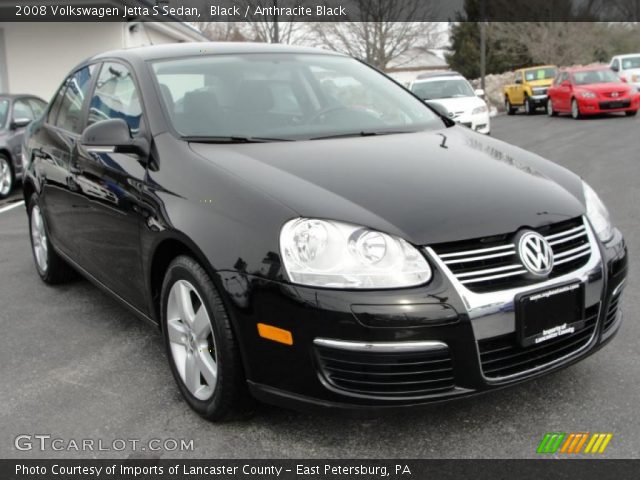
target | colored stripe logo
[{"x": 573, "y": 443}]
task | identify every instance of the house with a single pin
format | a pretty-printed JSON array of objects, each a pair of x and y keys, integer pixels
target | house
[
  {"x": 406, "y": 67},
  {"x": 36, "y": 57}
]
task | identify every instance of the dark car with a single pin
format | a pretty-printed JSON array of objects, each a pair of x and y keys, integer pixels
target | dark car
[
  {"x": 305, "y": 231},
  {"x": 16, "y": 112}
]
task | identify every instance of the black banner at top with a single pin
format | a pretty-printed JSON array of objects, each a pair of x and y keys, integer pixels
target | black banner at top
[{"x": 320, "y": 10}]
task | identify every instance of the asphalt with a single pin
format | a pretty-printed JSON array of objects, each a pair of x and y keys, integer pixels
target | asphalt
[{"x": 76, "y": 365}]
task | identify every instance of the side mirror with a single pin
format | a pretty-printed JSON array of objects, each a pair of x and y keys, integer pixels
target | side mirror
[
  {"x": 615, "y": 68},
  {"x": 566, "y": 83},
  {"x": 20, "y": 123},
  {"x": 518, "y": 80},
  {"x": 624, "y": 79},
  {"x": 113, "y": 136},
  {"x": 439, "y": 108},
  {"x": 479, "y": 92}
]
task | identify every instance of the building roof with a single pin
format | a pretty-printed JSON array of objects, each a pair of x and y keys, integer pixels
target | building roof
[{"x": 418, "y": 59}]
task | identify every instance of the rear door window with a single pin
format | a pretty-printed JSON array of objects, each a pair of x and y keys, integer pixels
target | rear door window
[{"x": 69, "y": 114}]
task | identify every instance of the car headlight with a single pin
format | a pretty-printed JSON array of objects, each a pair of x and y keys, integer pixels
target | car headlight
[
  {"x": 587, "y": 95},
  {"x": 481, "y": 109},
  {"x": 324, "y": 253},
  {"x": 597, "y": 213}
]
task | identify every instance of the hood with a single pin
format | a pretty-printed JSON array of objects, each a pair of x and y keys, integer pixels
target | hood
[
  {"x": 428, "y": 187},
  {"x": 459, "y": 105},
  {"x": 605, "y": 87},
  {"x": 546, "y": 82}
]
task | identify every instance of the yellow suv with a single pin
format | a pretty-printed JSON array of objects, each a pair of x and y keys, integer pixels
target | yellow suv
[{"x": 529, "y": 89}]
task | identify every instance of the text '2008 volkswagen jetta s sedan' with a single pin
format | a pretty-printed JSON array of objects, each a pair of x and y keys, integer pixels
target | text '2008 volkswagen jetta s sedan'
[{"x": 305, "y": 231}]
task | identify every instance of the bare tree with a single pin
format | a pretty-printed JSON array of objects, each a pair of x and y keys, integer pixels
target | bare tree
[
  {"x": 559, "y": 43},
  {"x": 273, "y": 27},
  {"x": 221, "y": 31},
  {"x": 384, "y": 30}
]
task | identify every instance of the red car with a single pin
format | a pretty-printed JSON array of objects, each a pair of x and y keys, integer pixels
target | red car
[{"x": 589, "y": 91}]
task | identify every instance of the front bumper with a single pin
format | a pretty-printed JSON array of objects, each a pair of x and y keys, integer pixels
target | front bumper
[
  {"x": 593, "y": 106},
  {"x": 480, "y": 122},
  {"x": 369, "y": 325},
  {"x": 539, "y": 100}
]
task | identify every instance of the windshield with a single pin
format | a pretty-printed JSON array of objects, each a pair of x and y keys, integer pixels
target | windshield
[
  {"x": 4, "y": 110},
  {"x": 631, "y": 62},
  {"x": 595, "y": 76},
  {"x": 285, "y": 97},
  {"x": 539, "y": 74},
  {"x": 445, "y": 88}
]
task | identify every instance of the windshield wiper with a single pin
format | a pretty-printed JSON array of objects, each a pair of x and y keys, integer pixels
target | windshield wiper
[
  {"x": 232, "y": 139},
  {"x": 361, "y": 134}
]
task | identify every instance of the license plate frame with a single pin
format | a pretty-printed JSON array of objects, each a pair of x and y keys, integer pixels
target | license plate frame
[{"x": 549, "y": 313}]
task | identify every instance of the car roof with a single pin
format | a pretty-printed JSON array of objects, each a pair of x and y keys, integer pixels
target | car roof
[
  {"x": 429, "y": 75},
  {"x": 585, "y": 69},
  {"x": 626, "y": 55},
  {"x": 157, "y": 52}
]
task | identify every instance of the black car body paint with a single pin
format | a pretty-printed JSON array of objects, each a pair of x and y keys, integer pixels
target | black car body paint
[{"x": 118, "y": 219}]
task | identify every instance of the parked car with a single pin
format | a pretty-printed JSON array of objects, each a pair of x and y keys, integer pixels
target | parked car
[
  {"x": 529, "y": 89},
  {"x": 455, "y": 94},
  {"x": 16, "y": 112},
  {"x": 591, "y": 90},
  {"x": 352, "y": 249},
  {"x": 627, "y": 67}
]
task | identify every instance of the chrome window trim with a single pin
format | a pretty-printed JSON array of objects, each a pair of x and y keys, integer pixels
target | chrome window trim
[{"x": 381, "y": 347}]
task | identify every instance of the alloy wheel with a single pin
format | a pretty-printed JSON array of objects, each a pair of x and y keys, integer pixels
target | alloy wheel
[
  {"x": 6, "y": 178},
  {"x": 192, "y": 341},
  {"x": 575, "y": 110},
  {"x": 39, "y": 239}
]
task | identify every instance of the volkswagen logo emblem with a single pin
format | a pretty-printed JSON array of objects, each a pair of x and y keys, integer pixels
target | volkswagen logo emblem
[
  {"x": 614, "y": 94},
  {"x": 535, "y": 253}
]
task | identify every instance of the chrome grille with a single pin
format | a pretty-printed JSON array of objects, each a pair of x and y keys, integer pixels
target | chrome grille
[{"x": 490, "y": 264}]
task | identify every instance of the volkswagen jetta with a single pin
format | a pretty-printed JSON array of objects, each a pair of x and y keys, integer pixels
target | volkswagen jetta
[{"x": 305, "y": 231}]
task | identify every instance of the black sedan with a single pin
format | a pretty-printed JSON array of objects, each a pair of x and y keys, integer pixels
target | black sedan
[
  {"x": 16, "y": 112},
  {"x": 307, "y": 232}
]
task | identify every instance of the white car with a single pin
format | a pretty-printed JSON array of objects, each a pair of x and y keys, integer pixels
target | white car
[
  {"x": 627, "y": 67},
  {"x": 452, "y": 91}
]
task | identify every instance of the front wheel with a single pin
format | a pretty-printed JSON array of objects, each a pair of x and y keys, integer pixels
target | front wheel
[
  {"x": 550, "y": 110},
  {"x": 575, "y": 109},
  {"x": 631, "y": 113},
  {"x": 528, "y": 106},
  {"x": 200, "y": 343},
  {"x": 6, "y": 177}
]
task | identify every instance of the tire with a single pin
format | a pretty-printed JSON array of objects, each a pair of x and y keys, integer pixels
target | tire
[
  {"x": 508, "y": 107},
  {"x": 631, "y": 113},
  {"x": 51, "y": 268},
  {"x": 528, "y": 107},
  {"x": 550, "y": 110},
  {"x": 7, "y": 177},
  {"x": 201, "y": 347},
  {"x": 575, "y": 109}
]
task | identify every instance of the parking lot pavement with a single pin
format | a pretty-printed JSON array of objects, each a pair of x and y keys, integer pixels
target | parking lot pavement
[{"x": 76, "y": 365}]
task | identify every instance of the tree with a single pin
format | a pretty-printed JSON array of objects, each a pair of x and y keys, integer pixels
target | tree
[
  {"x": 273, "y": 27},
  {"x": 383, "y": 31},
  {"x": 221, "y": 31},
  {"x": 465, "y": 51}
]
